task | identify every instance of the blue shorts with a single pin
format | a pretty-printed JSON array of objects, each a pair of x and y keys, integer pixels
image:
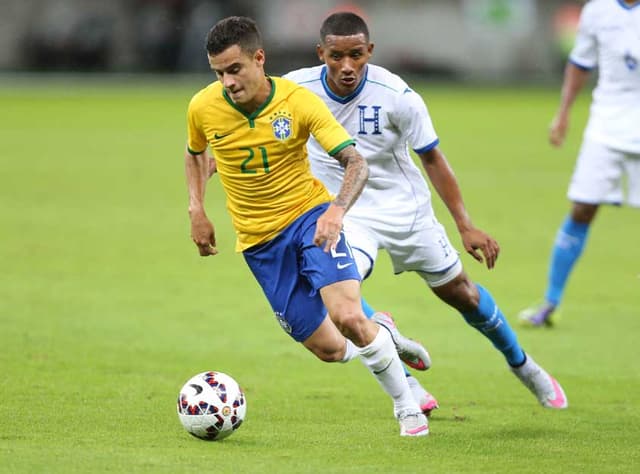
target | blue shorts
[{"x": 291, "y": 269}]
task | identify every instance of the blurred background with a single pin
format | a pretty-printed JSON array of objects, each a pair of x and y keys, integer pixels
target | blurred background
[{"x": 466, "y": 40}]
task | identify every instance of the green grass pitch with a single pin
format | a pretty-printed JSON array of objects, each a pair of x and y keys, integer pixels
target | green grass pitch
[{"x": 106, "y": 309}]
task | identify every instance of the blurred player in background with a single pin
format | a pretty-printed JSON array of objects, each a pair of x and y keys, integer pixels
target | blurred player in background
[
  {"x": 288, "y": 227},
  {"x": 608, "y": 38},
  {"x": 394, "y": 211}
]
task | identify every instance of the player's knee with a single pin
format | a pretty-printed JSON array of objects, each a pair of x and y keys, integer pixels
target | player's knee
[
  {"x": 327, "y": 352},
  {"x": 583, "y": 213},
  {"x": 459, "y": 293},
  {"x": 329, "y": 355},
  {"x": 352, "y": 325}
]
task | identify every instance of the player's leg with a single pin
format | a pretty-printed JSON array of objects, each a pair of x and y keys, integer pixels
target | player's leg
[
  {"x": 335, "y": 277},
  {"x": 480, "y": 311},
  {"x": 363, "y": 245},
  {"x": 410, "y": 352},
  {"x": 597, "y": 178},
  {"x": 298, "y": 284},
  {"x": 567, "y": 249},
  {"x": 328, "y": 344},
  {"x": 429, "y": 252},
  {"x": 377, "y": 352},
  {"x": 364, "y": 250}
]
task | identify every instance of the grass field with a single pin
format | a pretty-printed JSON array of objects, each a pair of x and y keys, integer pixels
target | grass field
[{"x": 106, "y": 308}]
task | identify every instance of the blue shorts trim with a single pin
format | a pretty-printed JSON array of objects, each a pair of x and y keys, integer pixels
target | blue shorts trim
[{"x": 291, "y": 269}]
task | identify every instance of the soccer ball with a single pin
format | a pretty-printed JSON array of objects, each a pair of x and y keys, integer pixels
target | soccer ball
[{"x": 211, "y": 405}]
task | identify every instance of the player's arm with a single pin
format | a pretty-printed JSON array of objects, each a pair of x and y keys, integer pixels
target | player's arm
[
  {"x": 446, "y": 185},
  {"x": 197, "y": 170},
  {"x": 575, "y": 77},
  {"x": 338, "y": 143},
  {"x": 356, "y": 172}
]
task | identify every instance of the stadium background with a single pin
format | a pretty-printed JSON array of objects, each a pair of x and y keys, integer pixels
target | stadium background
[
  {"x": 106, "y": 309},
  {"x": 494, "y": 40}
]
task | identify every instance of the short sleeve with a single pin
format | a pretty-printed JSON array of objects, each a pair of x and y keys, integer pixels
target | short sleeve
[
  {"x": 196, "y": 139},
  {"x": 585, "y": 51},
  {"x": 321, "y": 123},
  {"x": 412, "y": 118}
]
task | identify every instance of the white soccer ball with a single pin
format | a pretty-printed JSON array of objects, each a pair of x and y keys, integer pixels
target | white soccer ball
[{"x": 211, "y": 405}]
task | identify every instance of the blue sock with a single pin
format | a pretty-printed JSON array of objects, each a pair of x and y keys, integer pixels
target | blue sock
[
  {"x": 489, "y": 320},
  {"x": 368, "y": 312},
  {"x": 566, "y": 251}
]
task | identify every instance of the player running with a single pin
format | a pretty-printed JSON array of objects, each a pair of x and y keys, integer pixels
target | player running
[
  {"x": 394, "y": 211},
  {"x": 288, "y": 227},
  {"x": 608, "y": 38}
]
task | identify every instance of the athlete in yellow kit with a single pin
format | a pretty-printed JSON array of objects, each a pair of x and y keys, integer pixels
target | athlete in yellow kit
[{"x": 287, "y": 225}]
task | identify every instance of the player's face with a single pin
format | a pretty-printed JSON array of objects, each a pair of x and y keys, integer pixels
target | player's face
[
  {"x": 346, "y": 58},
  {"x": 241, "y": 73}
]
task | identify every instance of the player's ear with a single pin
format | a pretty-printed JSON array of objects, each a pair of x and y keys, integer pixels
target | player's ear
[
  {"x": 370, "y": 48},
  {"x": 259, "y": 56},
  {"x": 320, "y": 52}
]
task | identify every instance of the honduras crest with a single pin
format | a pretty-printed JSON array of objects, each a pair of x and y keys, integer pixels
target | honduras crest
[{"x": 281, "y": 123}]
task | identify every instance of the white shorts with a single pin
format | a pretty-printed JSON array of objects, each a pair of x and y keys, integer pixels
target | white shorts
[
  {"x": 424, "y": 249},
  {"x": 600, "y": 173}
]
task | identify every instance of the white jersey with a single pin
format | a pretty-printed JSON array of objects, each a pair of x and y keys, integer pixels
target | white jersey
[
  {"x": 609, "y": 38},
  {"x": 385, "y": 117}
]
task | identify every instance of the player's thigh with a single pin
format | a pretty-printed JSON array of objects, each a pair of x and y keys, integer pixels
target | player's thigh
[
  {"x": 632, "y": 168},
  {"x": 298, "y": 308},
  {"x": 342, "y": 300},
  {"x": 280, "y": 268},
  {"x": 597, "y": 176}
]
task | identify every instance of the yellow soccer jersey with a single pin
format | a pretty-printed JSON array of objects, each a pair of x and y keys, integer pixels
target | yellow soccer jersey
[{"x": 262, "y": 157}]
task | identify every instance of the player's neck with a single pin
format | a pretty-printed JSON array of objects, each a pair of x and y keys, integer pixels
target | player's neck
[
  {"x": 631, "y": 2},
  {"x": 260, "y": 98}
]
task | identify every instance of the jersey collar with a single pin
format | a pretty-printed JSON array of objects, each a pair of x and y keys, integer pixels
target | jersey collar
[
  {"x": 255, "y": 113},
  {"x": 337, "y": 98}
]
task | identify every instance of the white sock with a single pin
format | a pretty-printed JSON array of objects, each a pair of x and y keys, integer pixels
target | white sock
[
  {"x": 351, "y": 351},
  {"x": 382, "y": 360}
]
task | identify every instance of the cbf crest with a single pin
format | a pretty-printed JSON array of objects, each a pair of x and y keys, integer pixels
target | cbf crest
[
  {"x": 281, "y": 124},
  {"x": 283, "y": 322}
]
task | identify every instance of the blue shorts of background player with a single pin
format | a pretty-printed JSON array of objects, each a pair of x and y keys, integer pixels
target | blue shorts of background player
[{"x": 291, "y": 269}]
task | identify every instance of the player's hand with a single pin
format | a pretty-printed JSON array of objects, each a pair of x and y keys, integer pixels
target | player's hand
[
  {"x": 328, "y": 227},
  {"x": 477, "y": 243},
  {"x": 203, "y": 234},
  {"x": 558, "y": 130}
]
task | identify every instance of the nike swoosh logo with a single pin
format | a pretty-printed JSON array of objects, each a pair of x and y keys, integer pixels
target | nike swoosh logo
[
  {"x": 344, "y": 265},
  {"x": 197, "y": 388},
  {"x": 378, "y": 372},
  {"x": 218, "y": 137}
]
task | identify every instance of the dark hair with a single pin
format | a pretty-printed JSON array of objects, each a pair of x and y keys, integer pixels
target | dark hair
[
  {"x": 343, "y": 24},
  {"x": 240, "y": 30}
]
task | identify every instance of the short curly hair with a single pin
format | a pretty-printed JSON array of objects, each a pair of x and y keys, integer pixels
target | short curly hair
[{"x": 343, "y": 24}]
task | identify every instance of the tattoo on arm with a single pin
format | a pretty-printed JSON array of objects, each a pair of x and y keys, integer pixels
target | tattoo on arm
[{"x": 356, "y": 173}]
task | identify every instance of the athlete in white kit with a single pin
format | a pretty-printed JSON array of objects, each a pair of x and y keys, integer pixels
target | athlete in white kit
[
  {"x": 394, "y": 211},
  {"x": 608, "y": 38}
]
